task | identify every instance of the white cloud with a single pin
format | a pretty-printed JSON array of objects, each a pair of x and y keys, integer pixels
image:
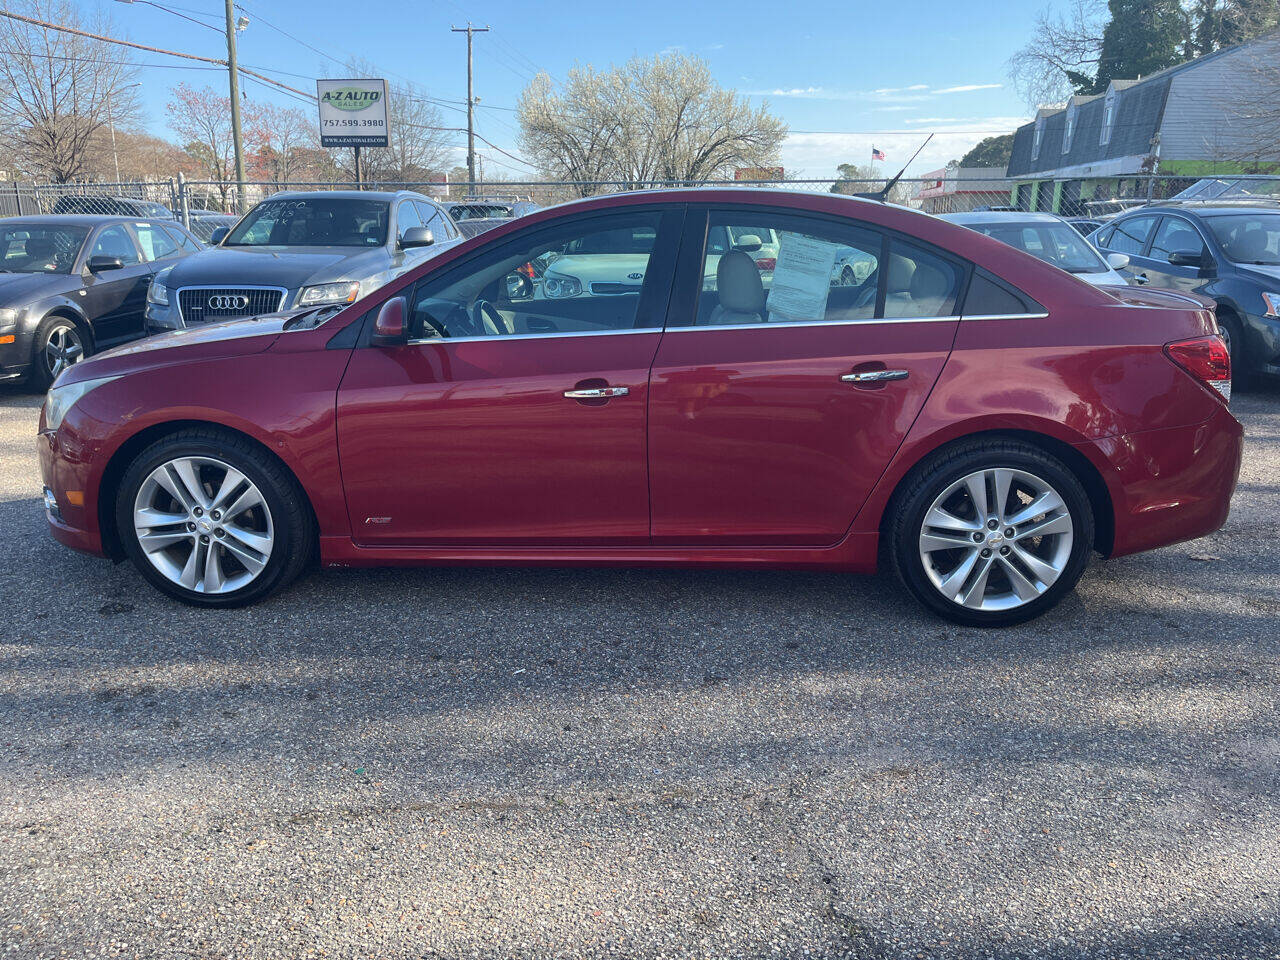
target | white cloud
[
  {"x": 894, "y": 109},
  {"x": 914, "y": 93},
  {"x": 968, "y": 87}
]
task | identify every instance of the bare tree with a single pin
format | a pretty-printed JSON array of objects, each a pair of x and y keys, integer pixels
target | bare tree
[
  {"x": 282, "y": 143},
  {"x": 58, "y": 90},
  {"x": 1064, "y": 51},
  {"x": 202, "y": 121},
  {"x": 651, "y": 119}
]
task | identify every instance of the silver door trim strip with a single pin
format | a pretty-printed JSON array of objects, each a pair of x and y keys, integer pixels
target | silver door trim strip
[
  {"x": 1007, "y": 316},
  {"x": 534, "y": 336}
]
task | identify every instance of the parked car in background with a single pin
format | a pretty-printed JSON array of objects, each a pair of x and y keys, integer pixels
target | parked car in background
[
  {"x": 205, "y": 222},
  {"x": 112, "y": 207},
  {"x": 1230, "y": 253},
  {"x": 453, "y": 417},
  {"x": 301, "y": 250},
  {"x": 480, "y": 208},
  {"x": 478, "y": 225},
  {"x": 73, "y": 285},
  {"x": 1085, "y": 225},
  {"x": 1046, "y": 237}
]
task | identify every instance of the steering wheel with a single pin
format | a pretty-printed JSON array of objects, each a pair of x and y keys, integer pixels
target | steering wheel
[{"x": 486, "y": 318}]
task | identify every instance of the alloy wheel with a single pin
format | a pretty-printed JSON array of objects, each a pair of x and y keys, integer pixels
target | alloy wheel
[
  {"x": 63, "y": 348},
  {"x": 996, "y": 539},
  {"x": 203, "y": 525}
]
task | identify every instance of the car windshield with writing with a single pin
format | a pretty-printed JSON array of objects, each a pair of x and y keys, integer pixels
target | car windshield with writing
[
  {"x": 39, "y": 249},
  {"x": 304, "y": 222}
]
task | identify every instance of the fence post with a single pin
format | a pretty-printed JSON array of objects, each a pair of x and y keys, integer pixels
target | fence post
[{"x": 182, "y": 201}]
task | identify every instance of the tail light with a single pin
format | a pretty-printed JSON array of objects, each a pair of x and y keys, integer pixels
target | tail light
[
  {"x": 1205, "y": 358},
  {"x": 765, "y": 264}
]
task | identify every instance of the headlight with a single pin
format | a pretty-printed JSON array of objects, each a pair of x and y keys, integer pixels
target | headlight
[
  {"x": 559, "y": 287},
  {"x": 1272, "y": 302},
  {"x": 344, "y": 291},
  {"x": 158, "y": 292},
  {"x": 62, "y": 399}
]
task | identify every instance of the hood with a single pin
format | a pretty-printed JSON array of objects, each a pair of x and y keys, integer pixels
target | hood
[
  {"x": 19, "y": 288},
  {"x": 288, "y": 267},
  {"x": 593, "y": 268},
  {"x": 231, "y": 338}
]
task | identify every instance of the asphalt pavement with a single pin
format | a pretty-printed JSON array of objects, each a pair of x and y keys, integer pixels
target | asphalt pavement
[{"x": 622, "y": 763}]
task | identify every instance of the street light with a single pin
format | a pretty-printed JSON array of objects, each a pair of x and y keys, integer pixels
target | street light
[{"x": 111, "y": 124}]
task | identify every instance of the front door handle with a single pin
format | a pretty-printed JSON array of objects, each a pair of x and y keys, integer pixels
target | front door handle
[
  {"x": 875, "y": 376},
  {"x": 1141, "y": 278},
  {"x": 596, "y": 393}
]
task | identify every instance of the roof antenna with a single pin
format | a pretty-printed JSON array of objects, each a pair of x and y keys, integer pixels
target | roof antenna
[{"x": 883, "y": 194}]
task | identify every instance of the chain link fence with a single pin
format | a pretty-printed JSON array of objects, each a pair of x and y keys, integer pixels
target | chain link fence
[{"x": 205, "y": 204}]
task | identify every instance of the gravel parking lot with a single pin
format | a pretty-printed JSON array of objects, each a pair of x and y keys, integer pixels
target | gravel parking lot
[{"x": 581, "y": 763}]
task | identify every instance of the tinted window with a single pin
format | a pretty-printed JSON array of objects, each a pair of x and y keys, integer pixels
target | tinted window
[
  {"x": 114, "y": 241},
  {"x": 988, "y": 298},
  {"x": 313, "y": 222},
  {"x": 1248, "y": 237},
  {"x": 570, "y": 279},
  {"x": 37, "y": 248},
  {"x": 183, "y": 240},
  {"x": 783, "y": 268},
  {"x": 919, "y": 283},
  {"x": 437, "y": 221},
  {"x": 1176, "y": 236},
  {"x": 155, "y": 241},
  {"x": 1130, "y": 236}
]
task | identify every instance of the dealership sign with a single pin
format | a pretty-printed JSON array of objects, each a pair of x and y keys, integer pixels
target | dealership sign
[{"x": 353, "y": 113}]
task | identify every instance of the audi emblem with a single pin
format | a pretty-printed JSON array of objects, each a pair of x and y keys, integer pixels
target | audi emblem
[{"x": 228, "y": 302}]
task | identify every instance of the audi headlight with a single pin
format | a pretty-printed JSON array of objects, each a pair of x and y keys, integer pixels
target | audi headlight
[
  {"x": 62, "y": 399},
  {"x": 158, "y": 292},
  {"x": 1272, "y": 303},
  {"x": 9, "y": 315},
  {"x": 344, "y": 291},
  {"x": 560, "y": 286}
]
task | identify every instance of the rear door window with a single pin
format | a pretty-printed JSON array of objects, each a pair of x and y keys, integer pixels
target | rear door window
[{"x": 1130, "y": 235}]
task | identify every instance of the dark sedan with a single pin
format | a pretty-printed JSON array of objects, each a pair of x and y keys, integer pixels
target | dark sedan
[{"x": 73, "y": 285}]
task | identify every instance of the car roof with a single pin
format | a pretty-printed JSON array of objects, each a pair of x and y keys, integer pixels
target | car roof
[
  {"x": 79, "y": 219},
  {"x": 1209, "y": 210},
  {"x": 1000, "y": 216},
  {"x": 387, "y": 195}
]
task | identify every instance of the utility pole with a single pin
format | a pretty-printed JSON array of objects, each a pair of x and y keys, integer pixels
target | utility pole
[
  {"x": 471, "y": 101},
  {"x": 233, "y": 73}
]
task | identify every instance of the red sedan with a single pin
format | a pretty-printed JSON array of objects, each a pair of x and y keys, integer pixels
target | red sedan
[{"x": 747, "y": 378}]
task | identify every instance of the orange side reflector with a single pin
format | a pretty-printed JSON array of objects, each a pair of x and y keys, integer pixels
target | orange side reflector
[
  {"x": 7, "y": 338},
  {"x": 75, "y": 498}
]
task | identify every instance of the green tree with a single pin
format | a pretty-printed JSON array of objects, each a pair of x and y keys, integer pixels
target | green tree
[
  {"x": 989, "y": 152},
  {"x": 1141, "y": 38}
]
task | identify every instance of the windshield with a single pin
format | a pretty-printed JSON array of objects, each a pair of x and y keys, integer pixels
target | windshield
[
  {"x": 1055, "y": 243},
  {"x": 34, "y": 248},
  {"x": 1248, "y": 237},
  {"x": 203, "y": 227},
  {"x": 313, "y": 222}
]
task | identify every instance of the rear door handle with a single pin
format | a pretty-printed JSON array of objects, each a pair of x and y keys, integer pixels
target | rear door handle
[
  {"x": 596, "y": 393},
  {"x": 875, "y": 376}
]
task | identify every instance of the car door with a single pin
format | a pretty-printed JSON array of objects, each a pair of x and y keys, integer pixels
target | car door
[
  {"x": 485, "y": 429},
  {"x": 1176, "y": 235},
  {"x": 1132, "y": 236},
  {"x": 779, "y": 393},
  {"x": 114, "y": 300}
]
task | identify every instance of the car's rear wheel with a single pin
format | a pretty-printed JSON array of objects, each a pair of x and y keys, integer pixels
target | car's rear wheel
[
  {"x": 59, "y": 342},
  {"x": 991, "y": 533},
  {"x": 212, "y": 520}
]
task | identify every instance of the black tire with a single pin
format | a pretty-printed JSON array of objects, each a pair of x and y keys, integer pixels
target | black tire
[
  {"x": 1233, "y": 332},
  {"x": 929, "y": 481},
  {"x": 42, "y": 372},
  {"x": 291, "y": 520}
]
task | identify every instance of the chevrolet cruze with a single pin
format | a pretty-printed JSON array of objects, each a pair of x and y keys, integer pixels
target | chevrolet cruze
[{"x": 977, "y": 419}]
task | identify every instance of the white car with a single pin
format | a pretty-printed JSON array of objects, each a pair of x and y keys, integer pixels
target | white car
[{"x": 1049, "y": 238}]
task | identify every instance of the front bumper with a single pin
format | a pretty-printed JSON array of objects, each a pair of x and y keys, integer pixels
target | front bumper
[
  {"x": 1262, "y": 344},
  {"x": 1174, "y": 484},
  {"x": 70, "y": 504},
  {"x": 165, "y": 318}
]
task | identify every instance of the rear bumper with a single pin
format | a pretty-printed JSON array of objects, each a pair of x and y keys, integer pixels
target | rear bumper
[{"x": 1171, "y": 485}]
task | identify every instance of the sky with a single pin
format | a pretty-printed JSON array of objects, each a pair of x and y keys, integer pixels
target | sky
[{"x": 845, "y": 76}]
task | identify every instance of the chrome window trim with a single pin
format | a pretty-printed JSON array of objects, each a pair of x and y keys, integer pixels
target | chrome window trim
[
  {"x": 812, "y": 323},
  {"x": 534, "y": 336},
  {"x": 1006, "y": 316}
]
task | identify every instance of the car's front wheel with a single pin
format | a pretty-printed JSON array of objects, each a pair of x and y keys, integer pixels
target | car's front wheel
[
  {"x": 212, "y": 520},
  {"x": 991, "y": 533},
  {"x": 59, "y": 342}
]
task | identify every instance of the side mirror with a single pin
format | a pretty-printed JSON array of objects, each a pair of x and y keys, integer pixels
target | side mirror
[
  {"x": 219, "y": 234},
  {"x": 517, "y": 286},
  {"x": 1117, "y": 261},
  {"x": 1184, "y": 258},
  {"x": 100, "y": 263},
  {"x": 748, "y": 243},
  {"x": 391, "y": 327},
  {"x": 417, "y": 237}
]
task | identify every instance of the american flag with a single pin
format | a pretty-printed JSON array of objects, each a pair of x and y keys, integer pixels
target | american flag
[{"x": 877, "y": 154}]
